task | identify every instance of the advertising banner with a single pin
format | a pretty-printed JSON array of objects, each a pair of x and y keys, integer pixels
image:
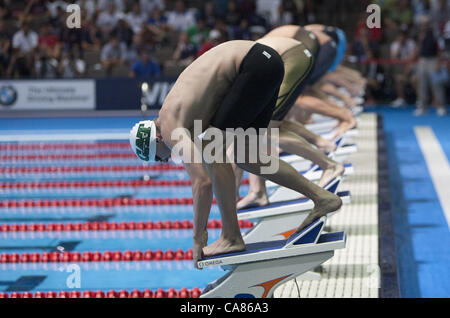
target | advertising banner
[{"x": 47, "y": 94}]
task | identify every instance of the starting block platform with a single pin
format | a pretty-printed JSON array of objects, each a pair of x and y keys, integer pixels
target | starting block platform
[
  {"x": 271, "y": 263},
  {"x": 277, "y": 220}
]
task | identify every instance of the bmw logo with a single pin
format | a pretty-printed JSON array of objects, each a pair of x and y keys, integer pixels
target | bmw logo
[{"x": 8, "y": 95}]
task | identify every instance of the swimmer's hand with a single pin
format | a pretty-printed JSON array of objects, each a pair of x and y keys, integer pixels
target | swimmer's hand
[{"x": 200, "y": 242}]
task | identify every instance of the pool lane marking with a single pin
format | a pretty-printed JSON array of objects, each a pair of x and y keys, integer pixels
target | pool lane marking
[
  {"x": 60, "y": 136},
  {"x": 437, "y": 165}
]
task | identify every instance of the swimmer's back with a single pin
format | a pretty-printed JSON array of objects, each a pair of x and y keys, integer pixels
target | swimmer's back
[
  {"x": 203, "y": 84},
  {"x": 288, "y": 31},
  {"x": 279, "y": 44}
]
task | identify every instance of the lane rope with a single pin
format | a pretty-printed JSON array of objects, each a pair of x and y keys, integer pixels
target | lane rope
[
  {"x": 111, "y": 226},
  {"x": 147, "y": 293},
  {"x": 96, "y": 256}
]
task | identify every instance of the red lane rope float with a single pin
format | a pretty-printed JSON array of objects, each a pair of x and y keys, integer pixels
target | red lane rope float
[
  {"x": 111, "y": 226},
  {"x": 147, "y": 293},
  {"x": 69, "y": 156},
  {"x": 47, "y": 146},
  {"x": 62, "y": 169},
  {"x": 105, "y": 202},
  {"x": 96, "y": 256},
  {"x": 95, "y": 183}
]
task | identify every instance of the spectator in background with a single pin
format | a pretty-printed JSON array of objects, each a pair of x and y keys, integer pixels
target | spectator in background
[
  {"x": 404, "y": 50},
  {"x": 24, "y": 43},
  {"x": 147, "y": 6},
  {"x": 113, "y": 54},
  {"x": 136, "y": 18},
  {"x": 92, "y": 35},
  {"x": 241, "y": 31},
  {"x": 287, "y": 12},
  {"x": 134, "y": 48},
  {"x": 52, "y": 7},
  {"x": 45, "y": 66},
  {"x": 25, "y": 40},
  {"x": 107, "y": 20},
  {"x": 233, "y": 17},
  {"x": 37, "y": 9},
  {"x": 157, "y": 24},
  {"x": 366, "y": 42},
  {"x": 5, "y": 11},
  {"x": 185, "y": 51},
  {"x": 5, "y": 48},
  {"x": 198, "y": 33},
  {"x": 88, "y": 5},
  {"x": 428, "y": 65},
  {"x": 247, "y": 8},
  {"x": 180, "y": 19},
  {"x": 103, "y": 5},
  {"x": 49, "y": 41},
  {"x": 402, "y": 12},
  {"x": 145, "y": 66},
  {"x": 207, "y": 13},
  {"x": 69, "y": 66},
  {"x": 216, "y": 37},
  {"x": 123, "y": 30},
  {"x": 446, "y": 36},
  {"x": 440, "y": 15}
]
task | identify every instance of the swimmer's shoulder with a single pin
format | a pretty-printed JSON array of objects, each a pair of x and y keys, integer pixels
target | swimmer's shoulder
[
  {"x": 288, "y": 31},
  {"x": 238, "y": 48},
  {"x": 227, "y": 57}
]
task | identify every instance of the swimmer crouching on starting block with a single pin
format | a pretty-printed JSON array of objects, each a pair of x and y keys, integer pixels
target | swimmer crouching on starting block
[
  {"x": 298, "y": 63},
  {"x": 234, "y": 85}
]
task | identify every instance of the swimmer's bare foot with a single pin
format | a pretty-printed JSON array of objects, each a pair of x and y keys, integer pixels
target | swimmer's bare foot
[
  {"x": 326, "y": 146},
  {"x": 253, "y": 199},
  {"x": 335, "y": 169},
  {"x": 344, "y": 126},
  {"x": 327, "y": 204},
  {"x": 223, "y": 245}
]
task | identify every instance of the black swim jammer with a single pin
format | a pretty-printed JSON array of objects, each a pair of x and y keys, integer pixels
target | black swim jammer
[{"x": 252, "y": 98}]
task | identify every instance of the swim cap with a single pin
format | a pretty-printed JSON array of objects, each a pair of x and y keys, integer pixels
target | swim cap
[{"x": 143, "y": 140}]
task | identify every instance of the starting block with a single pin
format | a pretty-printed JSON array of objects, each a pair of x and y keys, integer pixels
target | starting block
[
  {"x": 277, "y": 220},
  {"x": 258, "y": 270}
]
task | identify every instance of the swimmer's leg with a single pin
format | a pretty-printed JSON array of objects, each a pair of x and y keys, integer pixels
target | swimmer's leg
[
  {"x": 223, "y": 181},
  {"x": 296, "y": 145},
  {"x": 324, "y": 201},
  {"x": 316, "y": 105},
  {"x": 322, "y": 144}
]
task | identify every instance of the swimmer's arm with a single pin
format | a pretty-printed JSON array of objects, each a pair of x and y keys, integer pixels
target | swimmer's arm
[
  {"x": 202, "y": 196},
  {"x": 181, "y": 139}
]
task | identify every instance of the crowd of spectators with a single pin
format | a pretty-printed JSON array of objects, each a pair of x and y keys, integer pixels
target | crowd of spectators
[
  {"x": 133, "y": 37},
  {"x": 413, "y": 44},
  {"x": 151, "y": 38}
]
